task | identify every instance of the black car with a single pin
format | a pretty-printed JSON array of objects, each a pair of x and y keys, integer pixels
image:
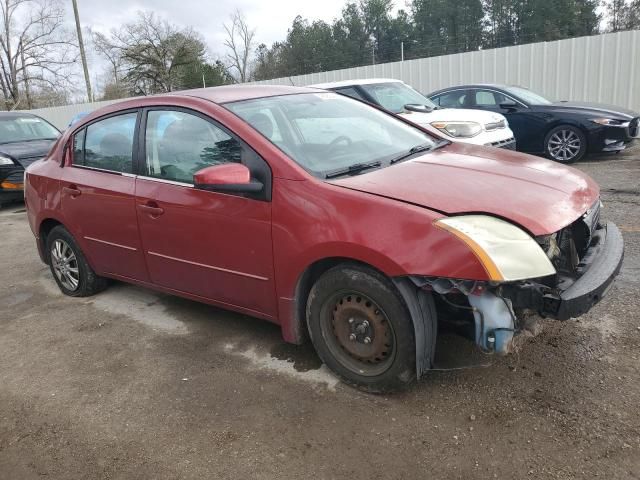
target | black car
[
  {"x": 563, "y": 131},
  {"x": 24, "y": 138}
]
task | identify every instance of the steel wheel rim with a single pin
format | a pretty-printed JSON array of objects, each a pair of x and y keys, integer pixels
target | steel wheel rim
[
  {"x": 65, "y": 265},
  {"x": 368, "y": 358},
  {"x": 564, "y": 145}
]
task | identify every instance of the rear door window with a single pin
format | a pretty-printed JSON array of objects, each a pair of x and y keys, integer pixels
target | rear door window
[
  {"x": 108, "y": 143},
  {"x": 451, "y": 99}
]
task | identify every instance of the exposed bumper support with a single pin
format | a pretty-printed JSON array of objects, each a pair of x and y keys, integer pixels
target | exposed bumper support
[
  {"x": 602, "y": 264},
  {"x": 598, "y": 269}
]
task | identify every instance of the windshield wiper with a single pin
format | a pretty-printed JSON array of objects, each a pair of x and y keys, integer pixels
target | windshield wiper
[
  {"x": 425, "y": 147},
  {"x": 351, "y": 169}
]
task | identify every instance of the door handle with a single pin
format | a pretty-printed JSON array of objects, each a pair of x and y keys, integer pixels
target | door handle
[
  {"x": 151, "y": 208},
  {"x": 72, "y": 190}
]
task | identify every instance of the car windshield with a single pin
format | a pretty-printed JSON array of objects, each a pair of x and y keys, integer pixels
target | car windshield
[
  {"x": 527, "y": 96},
  {"x": 18, "y": 128},
  {"x": 326, "y": 132},
  {"x": 395, "y": 95}
]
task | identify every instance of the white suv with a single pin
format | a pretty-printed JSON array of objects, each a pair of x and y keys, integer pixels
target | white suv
[{"x": 469, "y": 126}]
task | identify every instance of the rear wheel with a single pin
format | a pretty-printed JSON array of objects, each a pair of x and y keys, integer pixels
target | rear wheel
[
  {"x": 565, "y": 144},
  {"x": 361, "y": 328},
  {"x": 69, "y": 267}
]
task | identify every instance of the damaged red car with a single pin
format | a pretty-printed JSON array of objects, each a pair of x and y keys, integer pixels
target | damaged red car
[{"x": 331, "y": 218}]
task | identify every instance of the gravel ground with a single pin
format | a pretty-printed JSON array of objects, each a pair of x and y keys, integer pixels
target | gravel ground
[{"x": 132, "y": 384}]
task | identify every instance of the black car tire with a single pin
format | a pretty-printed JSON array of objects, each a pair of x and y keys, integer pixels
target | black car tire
[
  {"x": 338, "y": 305},
  {"x": 565, "y": 144},
  {"x": 88, "y": 282}
]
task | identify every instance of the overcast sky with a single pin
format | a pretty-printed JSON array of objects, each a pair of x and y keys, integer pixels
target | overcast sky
[{"x": 271, "y": 19}]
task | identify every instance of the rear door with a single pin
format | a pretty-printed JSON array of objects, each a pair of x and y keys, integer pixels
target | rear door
[
  {"x": 213, "y": 245},
  {"x": 98, "y": 189}
]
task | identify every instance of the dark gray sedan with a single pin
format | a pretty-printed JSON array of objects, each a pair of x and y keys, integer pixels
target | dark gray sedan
[{"x": 24, "y": 138}]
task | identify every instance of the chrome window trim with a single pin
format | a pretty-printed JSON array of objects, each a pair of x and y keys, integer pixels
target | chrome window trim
[
  {"x": 103, "y": 170},
  {"x": 165, "y": 180}
]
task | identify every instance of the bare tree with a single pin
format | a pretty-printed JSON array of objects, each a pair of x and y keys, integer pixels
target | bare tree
[
  {"x": 152, "y": 55},
  {"x": 111, "y": 53},
  {"x": 240, "y": 43},
  {"x": 33, "y": 48}
]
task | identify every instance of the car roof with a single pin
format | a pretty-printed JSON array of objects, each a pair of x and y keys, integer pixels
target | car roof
[
  {"x": 14, "y": 115},
  {"x": 358, "y": 81},
  {"x": 474, "y": 85},
  {"x": 234, "y": 93}
]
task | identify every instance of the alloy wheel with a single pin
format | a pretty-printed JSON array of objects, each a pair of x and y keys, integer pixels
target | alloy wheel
[
  {"x": 564, "y": 145},
  {"x": 65, "y": 265}
]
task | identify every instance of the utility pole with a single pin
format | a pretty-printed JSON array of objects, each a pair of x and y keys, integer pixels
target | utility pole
[
  {"x": 402, "y": 51},
  {"x": 25, "y": 76},
  {"x": 82, "y": 54}
]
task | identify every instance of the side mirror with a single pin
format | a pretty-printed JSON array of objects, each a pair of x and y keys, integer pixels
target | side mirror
[
  {"x": 509, "y": 105},
  {"x": 417, "y": 107},
  {"x": 226, "y": 177}
]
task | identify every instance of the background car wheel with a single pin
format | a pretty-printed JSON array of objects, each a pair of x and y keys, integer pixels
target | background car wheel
[
  {"x": 565, "y": 144},
  {"x": 361, "y": 328},
  {"x": 69, "y": 267}
]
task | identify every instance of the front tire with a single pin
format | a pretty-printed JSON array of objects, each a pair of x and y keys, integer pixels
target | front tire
[
  {"x": 361, "y": 328},
  {"x": 565, "y": 144},
  {"x": 69, "y": 267}
]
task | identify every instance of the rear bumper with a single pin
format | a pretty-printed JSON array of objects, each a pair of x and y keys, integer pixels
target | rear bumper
[{"x": 599, "y": 268}]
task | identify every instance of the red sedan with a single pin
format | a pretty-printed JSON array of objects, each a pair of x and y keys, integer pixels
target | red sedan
[{"x": 327, "y": 216}]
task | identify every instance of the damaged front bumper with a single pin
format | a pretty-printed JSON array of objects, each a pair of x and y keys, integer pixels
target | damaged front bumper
[
  {"x": 498, "y": 308},
  {"x": 573, "y": 297}
]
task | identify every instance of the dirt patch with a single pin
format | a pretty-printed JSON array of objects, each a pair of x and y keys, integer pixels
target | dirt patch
[{"x": 135, "y": 384}]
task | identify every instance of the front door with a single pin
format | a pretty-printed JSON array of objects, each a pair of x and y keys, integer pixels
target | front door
[
  {"x": 525, "y": 123},
  {"x": 214, "y": 245},
  {"x": 98, "y": 202}
]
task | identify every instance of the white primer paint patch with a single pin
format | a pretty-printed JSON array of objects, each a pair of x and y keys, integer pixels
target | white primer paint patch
[{"x": 320, "y": 376}]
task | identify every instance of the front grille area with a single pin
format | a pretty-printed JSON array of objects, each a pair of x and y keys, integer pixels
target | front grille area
[
  {"x": 634, "y": 128},
  {"x": 567, "y": 247},
  {"x": 494, "y": 125},
  {"x": 509, "y": 144}
]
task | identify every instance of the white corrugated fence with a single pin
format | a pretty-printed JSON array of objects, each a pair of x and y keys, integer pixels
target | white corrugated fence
[{"x": 602, "y": 68}]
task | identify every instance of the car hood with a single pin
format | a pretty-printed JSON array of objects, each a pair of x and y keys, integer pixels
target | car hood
[
  {"x": 32, "y": 150},
  {"x": 596, "y": 109},
  {"x": 537, "y": 194},
  {"x": 453, "y": 115}
]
